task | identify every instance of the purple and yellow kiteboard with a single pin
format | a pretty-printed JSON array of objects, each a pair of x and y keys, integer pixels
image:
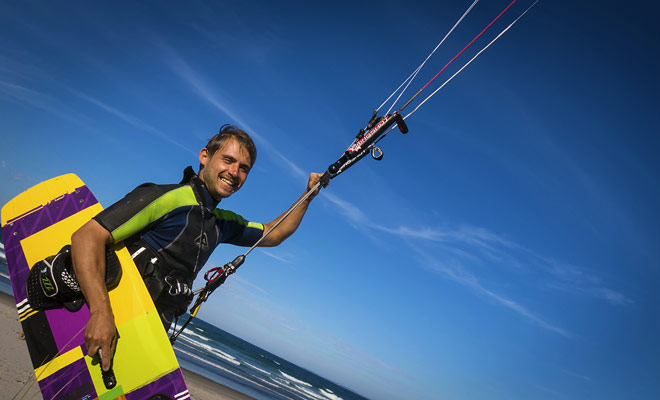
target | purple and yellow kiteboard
[{"x": 35, "y": 225}]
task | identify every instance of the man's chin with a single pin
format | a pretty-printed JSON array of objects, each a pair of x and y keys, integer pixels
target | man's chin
[{"x": 223, "y": 194}]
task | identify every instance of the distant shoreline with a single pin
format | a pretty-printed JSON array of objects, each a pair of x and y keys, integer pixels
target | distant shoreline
[{"x": 16, "y": 368}]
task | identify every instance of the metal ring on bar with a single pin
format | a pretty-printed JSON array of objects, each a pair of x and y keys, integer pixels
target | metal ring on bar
[{"x": 376, "y": 153}]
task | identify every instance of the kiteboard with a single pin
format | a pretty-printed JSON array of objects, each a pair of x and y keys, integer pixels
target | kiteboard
[{"x": 36, "y": 224}]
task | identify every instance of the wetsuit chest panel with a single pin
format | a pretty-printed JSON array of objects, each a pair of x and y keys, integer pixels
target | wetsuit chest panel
[
  {"x": 168, "y": 218},
  {"x": 182, "y": 238}
]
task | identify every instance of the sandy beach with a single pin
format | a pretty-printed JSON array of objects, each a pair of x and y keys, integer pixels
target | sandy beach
[{"x": 16, "y": 373}]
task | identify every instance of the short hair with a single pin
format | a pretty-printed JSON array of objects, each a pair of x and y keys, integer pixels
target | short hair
[{"x": 227, "y": 132}]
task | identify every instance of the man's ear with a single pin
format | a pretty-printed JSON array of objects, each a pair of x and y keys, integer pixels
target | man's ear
[{"x": 204, "y": 156}]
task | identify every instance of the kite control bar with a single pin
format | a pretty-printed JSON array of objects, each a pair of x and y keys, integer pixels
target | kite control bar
[{"x": 364, "y": 141}]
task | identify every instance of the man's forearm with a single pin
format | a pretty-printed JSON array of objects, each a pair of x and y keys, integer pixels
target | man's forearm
[
  {"x": 289, "y": 225},
  {"x": 88, "y": 251}
]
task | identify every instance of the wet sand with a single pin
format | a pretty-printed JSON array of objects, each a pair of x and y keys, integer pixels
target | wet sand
[{"x": 16, "y": 373}]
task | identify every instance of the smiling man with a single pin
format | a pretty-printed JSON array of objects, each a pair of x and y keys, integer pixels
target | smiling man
[{"x": 171, "y": 231}]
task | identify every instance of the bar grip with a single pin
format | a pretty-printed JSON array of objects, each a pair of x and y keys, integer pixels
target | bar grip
[{"x": 109, "y": 379}]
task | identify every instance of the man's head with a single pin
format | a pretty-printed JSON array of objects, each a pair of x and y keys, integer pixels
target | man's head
[{"x": 226, "y": 160}]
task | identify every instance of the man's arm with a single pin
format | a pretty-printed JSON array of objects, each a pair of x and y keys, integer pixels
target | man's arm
[
  {"x": 88, "y": 251},
  {"x": 291, "y": 223}
]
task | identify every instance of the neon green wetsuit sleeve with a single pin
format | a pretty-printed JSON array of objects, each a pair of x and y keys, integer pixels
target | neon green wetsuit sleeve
[
  {"x": 143, "y": 206},
  {"x": 236, "y": 229}
]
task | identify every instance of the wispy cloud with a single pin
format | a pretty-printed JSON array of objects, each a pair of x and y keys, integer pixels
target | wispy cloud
[
  {"x": 353, "y": 214},
  {"x": 130, "y": 119},
  {"x": 576, "y": 375},
  {"x": 468, "y": 247},
  {"x": 274, "y": 256},
  {"x": 46, "y": 102},
  {"x": 246, "y": 283},
  {"x": 462, "y": 275},
  {"x": 472, "y": 244},
  {"x": 597, "y": 292}
]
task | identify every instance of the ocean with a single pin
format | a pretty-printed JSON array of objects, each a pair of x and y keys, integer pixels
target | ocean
[{"x": 231, "y": 361}]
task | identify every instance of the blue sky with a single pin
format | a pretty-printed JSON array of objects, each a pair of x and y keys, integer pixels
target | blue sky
[{"x": 506, "y": 248}]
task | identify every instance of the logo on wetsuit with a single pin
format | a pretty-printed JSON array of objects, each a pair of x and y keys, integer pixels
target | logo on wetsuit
[{"x": 202, "y": 241}]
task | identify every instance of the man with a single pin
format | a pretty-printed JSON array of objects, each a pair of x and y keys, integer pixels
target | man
[{"x": 171, "y": 230}]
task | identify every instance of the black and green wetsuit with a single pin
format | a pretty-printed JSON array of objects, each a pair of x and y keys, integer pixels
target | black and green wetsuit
[{"x": 171, "y": 231}]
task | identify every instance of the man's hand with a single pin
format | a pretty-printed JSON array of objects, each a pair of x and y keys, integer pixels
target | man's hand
[
  {"x": 100, "y": 333},
  {"x": 314, "y": 178}
]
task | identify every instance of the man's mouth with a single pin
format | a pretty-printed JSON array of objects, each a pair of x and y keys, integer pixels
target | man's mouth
[{"x": 229, "y": 182}]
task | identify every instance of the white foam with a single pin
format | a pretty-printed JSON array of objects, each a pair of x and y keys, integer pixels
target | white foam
[
  {"x": 294, "y": 386},
  {"x": 221, "y": 368},
  {"x": 329, "y": 394},
  {"x": 277, "y": 384},
  {"x": 195, "y": 334},
  {"x": 188, "y": 331},
  {"x": 285, "y": 385},
  {"x": 307, "y": 392},
  {"x": 204, "y": 360},
  {"x": 212, "y": 350},
  {"x": 292, "y": 379},
  {"x": 192, "y": 342},
  {"x": 256, "y": 368},
  {"x": 304, "y": 389}
]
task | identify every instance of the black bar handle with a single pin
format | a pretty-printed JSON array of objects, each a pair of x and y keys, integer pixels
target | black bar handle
[
  {"x": 109, "y": 379},
  {"x": 401, "y": 123}
]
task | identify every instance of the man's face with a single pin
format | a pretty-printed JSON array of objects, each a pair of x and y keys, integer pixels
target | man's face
[{"x": 225, "y": 172}]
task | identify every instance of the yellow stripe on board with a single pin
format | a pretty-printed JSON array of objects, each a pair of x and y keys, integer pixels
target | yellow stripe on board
[
  {"x": 130, "y": 299},
  {"x": 58, "y": 363},
  {"x": 33, "y": 199},
  {"x": 49, "y": 241},
  {"x": 27, "y": 314}
]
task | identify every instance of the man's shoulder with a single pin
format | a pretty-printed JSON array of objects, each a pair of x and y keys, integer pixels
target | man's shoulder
[
  {"x": 226, "y": 214},
  {"x": 163, "y": 193},
  {"x": 157, "y": 187},
  {"x": 232, "y": 217}
]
